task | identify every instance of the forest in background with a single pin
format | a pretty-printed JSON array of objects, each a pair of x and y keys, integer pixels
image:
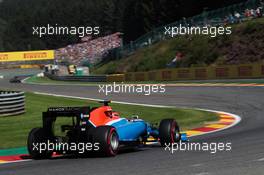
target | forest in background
[{"x": 131, "y": 17}]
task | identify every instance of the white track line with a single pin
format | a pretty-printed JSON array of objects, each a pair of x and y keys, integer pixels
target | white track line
[{"x": 24, "y": 80}]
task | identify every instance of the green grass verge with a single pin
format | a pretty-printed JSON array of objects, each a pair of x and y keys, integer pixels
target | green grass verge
[
  {"x": 14, "y": 130},
  {"x": 45, "y": 80}
]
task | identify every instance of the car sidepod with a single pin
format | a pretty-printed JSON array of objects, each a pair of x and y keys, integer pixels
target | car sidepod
[{"x": 129, "y": 130}]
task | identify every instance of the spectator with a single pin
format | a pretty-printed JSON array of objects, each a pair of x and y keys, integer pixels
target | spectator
[
  {"x": 176, "y": 59},
  {"x": 247, "y": 13},
  {"x": 231, "y": 19},
  {"x": 225, "y": 20},
  {"x": 252, "y": 13},
  {"x": 259, "y": 12},
  {"x": 237, "y": 17}
]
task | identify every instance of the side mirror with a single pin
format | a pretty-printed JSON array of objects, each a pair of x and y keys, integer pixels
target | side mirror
[{"x": 133, "y": 117}]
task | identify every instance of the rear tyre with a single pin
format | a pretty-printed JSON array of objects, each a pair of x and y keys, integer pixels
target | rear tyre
[
  {"x": 35, "y": 138},
  {"x": 169, "y": 132},
  {"x": 108, "y": 140}
]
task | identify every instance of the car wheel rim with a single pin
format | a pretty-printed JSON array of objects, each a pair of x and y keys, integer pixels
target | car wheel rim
[
  {"x": 114, "y": 141},
  {"x": 172, "y": 133}
]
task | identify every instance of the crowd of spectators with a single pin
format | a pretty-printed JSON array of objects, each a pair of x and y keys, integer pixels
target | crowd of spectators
[
  {"x": 91, "y": 50},
  {"x": 239, "y": 17}
]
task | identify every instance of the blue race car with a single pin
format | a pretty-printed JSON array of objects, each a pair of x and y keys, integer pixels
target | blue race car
[{"x": 101, "y": 128}]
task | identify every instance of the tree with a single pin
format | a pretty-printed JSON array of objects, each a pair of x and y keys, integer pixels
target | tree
[
  {"x": 132, "y": 17},
  {"x": 2, "y": 29}
]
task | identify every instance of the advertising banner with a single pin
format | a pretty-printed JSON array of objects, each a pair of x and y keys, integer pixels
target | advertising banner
[{"x": 27, "y": 56}]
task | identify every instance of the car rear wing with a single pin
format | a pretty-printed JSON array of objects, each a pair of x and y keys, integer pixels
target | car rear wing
[
  {"x": 82, "y": 115},
  {"x": 67, "y": 111}
]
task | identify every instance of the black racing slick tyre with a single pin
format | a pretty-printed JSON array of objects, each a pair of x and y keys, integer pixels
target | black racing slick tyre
[
  {"x": 36, "y": 137},
  {"x": 107, "y": 139},
  {"x": 169, "y": 132}
]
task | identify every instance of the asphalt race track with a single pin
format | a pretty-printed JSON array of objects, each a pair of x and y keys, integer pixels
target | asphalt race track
[{"x": 247, "y": 138}]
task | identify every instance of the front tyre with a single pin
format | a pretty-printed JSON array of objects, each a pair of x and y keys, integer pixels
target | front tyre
[
  {"x": 108, "y": 140},
  {"x": 169, "y": 132}
]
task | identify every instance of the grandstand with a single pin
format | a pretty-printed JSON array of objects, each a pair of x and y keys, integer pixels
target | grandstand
[{"x": 91, "y": 50}]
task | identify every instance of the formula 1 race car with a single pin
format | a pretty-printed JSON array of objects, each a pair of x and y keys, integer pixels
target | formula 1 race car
[
  {"x": 103, "y": 128},
  {"x": 15, "y": 79}
]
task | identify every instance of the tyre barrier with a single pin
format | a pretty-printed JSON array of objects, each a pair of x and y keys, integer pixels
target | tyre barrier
[
  {"x": 12, "y": 103},
  {"x": 97, "y": 78}
]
